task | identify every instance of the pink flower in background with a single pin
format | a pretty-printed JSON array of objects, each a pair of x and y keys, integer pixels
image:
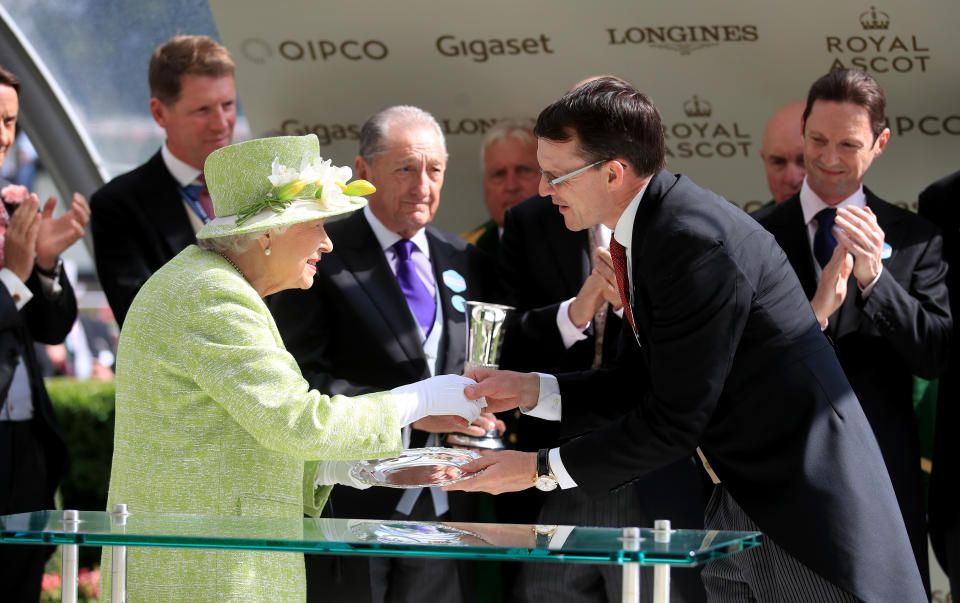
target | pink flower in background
[
  {"x": 14, "y": 193},
  {"x": 50, "y": 588},
  {"x": 88, "y": 583}
]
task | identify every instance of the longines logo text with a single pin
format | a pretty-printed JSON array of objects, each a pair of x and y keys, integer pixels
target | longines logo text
[
  {"x": 699, "y": 137},
  {"x": 481, "y": 50},
  {"x": 682, "y": 38},
  {"x": 876, "y": 49},
  {"x": 328, "y": 133}
]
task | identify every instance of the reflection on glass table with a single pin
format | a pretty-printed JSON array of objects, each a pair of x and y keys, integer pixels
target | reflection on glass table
[{"x": 507, "y": 542}]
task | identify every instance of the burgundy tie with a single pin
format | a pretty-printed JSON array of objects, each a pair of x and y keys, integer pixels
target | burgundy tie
[
  {"x": 204, "y": 198},
  {"x": 619, "y": 254}
]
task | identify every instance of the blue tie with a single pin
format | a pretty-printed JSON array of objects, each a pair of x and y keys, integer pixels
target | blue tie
[
  {"x": 422, "y": 304},
  {"x": 823, "y": 241}
]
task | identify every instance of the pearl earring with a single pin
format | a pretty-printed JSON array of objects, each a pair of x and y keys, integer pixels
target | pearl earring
[{"x": 266, "y": 251}]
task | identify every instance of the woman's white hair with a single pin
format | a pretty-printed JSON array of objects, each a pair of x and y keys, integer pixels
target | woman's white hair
[{"x": 237, "y": 243}]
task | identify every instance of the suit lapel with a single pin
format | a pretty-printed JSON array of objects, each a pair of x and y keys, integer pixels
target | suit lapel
[
  {"x": 165, "y": 208},
  {"x": 787, "y": 225},
  {"x": 453, "y": 342},
  {"x": 361, "y": 254},
  {"x": 650, "y": 203}
]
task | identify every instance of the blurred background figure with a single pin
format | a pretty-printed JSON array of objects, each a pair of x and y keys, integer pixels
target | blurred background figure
[
  {"x": 510, "y": 175},
  {"x": 782, "y": 152}
]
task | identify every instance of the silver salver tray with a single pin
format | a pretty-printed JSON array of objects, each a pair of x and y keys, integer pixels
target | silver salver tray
[{"x": 416, "y": 468}]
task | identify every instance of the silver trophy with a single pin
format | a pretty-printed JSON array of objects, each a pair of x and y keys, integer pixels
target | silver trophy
[{"x": 484, "y": 338}]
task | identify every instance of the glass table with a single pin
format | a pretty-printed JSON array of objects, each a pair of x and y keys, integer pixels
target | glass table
[{"x": 661, "y": 546}]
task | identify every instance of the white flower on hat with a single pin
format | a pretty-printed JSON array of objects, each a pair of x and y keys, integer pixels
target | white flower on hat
[{"x": 281, "y": 174}]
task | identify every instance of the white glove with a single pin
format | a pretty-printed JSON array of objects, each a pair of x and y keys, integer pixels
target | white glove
[
  {"x": 440, "y": 395},
  {"x": 330, "y": 473}
]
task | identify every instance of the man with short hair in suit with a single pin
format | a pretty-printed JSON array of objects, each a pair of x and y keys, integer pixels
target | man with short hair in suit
[
  {"x": 143, "y": 218},
  {"x": 387, "y": 308},
  {"x": 874, "y": 274},
  {"x": 725, "y": 359},
  {"x": 36, "y": 304},
  {"x": 940, "y": 203}
]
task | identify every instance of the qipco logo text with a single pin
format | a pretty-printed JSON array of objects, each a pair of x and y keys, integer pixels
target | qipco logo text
[{"x": 331, "y": 50}]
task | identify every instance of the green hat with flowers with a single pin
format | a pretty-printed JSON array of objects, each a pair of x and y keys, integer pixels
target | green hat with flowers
[{"x": 272, "y": 182}]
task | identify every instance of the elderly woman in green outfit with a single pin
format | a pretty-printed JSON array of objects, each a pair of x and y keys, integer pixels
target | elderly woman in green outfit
[{"x": 212, "y": 413}]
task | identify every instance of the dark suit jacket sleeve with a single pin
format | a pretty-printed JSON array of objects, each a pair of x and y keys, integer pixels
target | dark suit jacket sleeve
[
  {"x": 9, "y": 340},
  {"x": 701, "y": 300},
  {"x": 50, "y": 318},
  {"x": 121, "y": 264},
  {"x": 914, "y": 316}
]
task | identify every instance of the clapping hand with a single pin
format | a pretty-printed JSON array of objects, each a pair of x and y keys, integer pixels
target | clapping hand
[
  {"x": 56, "y": 234},
  {"x": 858, "y": 232},
  {"x": 832, "y": 288},
  {"x": 20, "y": 240}
]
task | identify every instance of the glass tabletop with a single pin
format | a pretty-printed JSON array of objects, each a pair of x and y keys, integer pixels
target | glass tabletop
[{"x": 509, "y": 542}]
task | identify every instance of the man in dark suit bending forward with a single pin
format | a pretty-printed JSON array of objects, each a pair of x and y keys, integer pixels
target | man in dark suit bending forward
[{"x": 728, "y": 361}]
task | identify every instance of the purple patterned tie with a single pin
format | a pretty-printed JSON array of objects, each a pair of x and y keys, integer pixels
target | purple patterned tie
[{"x": 422, "y": 304}]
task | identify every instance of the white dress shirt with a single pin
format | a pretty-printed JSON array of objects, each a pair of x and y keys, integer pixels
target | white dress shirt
[{"x": 185, "y": 175}]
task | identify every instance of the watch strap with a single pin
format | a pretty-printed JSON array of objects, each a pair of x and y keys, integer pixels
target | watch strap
[{"x": 543, "y": 462}]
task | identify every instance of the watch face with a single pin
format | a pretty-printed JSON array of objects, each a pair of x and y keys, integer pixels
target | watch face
[{"x": 546, "y": 483}]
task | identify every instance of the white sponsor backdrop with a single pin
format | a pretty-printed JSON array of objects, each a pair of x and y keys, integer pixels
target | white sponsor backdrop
[{"x": 716, "y": 72}]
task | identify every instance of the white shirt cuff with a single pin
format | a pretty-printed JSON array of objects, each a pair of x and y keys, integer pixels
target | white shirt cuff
[
  {"x": 560, "y": 537},
  {"x": 569, "y": 332},
  {"x": 558, "y": 470},
  {"x": 50, "y": 286},
  {"x": 18, "y": 291},
  {"x": 548, "y": 405},
  {"x": 865, "y": 292}
]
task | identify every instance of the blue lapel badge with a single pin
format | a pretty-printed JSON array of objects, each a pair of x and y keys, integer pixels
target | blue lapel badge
[
  {"x": 458, "y": 302},
  {"x": 454, "y": 282},
  {"x": 886, "y": 252}
]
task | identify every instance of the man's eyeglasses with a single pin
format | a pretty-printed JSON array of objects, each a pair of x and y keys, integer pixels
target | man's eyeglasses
[{"x": 553, "y": 182}]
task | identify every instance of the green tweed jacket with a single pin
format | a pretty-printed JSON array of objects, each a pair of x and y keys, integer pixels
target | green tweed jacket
[{"x": 214, "y": 417}]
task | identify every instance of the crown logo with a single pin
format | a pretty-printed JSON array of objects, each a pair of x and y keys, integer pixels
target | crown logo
[
  {"x": 697, "y": 108},
  {"x": 874, "y": 19}
]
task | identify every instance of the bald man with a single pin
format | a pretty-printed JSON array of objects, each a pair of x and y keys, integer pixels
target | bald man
[{"x": 782, "y": 151}]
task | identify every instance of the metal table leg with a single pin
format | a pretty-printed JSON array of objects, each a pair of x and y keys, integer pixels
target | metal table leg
[
  {"x": 118, "y": 563},
  {"x": 661, "y": 571},
  {"x": 70, "y": 564},
  {"x": 631, "y": 571}
]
